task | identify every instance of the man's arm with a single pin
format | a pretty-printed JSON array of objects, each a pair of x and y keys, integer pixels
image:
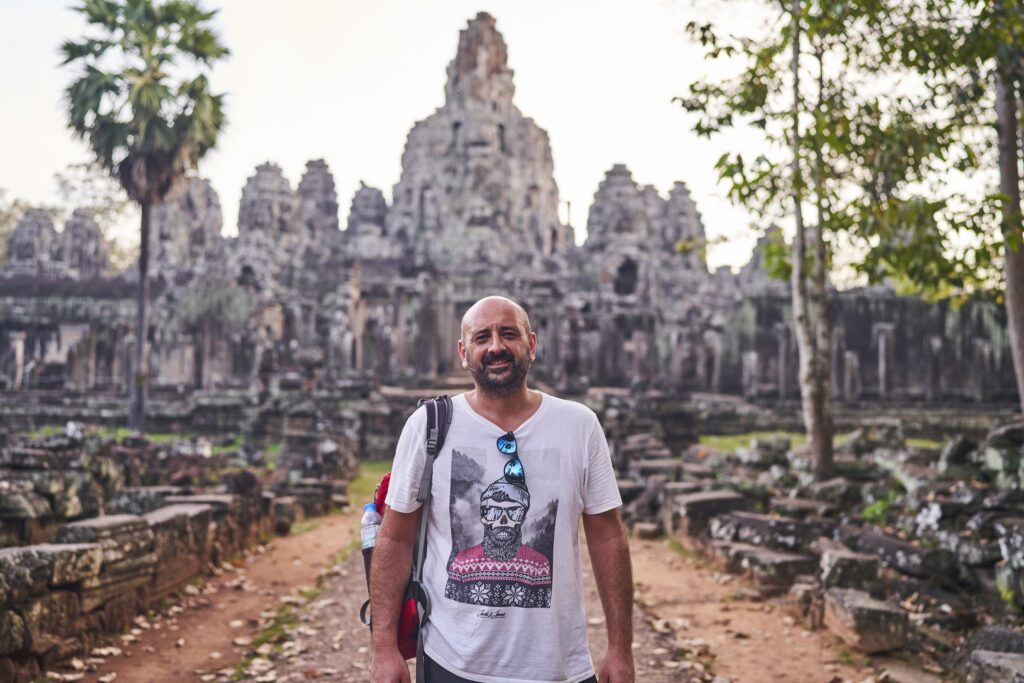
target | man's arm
[
  {"x": 389, "y": 574},
  {"x": 613, "y": 573}
]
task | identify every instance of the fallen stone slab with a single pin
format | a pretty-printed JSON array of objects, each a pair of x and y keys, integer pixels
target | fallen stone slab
[
  {"x": 836, "y": 491},
  {"x": 865, "y": 623},
  {"x": 121, "y": 536},
  {"x": 691, "y": 512},
  {"x": 992, "y": 638},
  {"x": 802, "y": 507},
  {"x": 906, "y": 557},
  {"x": 138, "y": 500},
  {"x": 842, "y": 568},
  {"x": 785, "y": 533},
  {"x": 1011, "y": 540},
  {"x": 628, "y": 490},
  {"x": 181, "y": 534},
  {"x": 774, "y": 571},
  {"x": 22, "y": 503},
  {"x": 670, "y": 468},
  {"x": 995, "y": 667}
]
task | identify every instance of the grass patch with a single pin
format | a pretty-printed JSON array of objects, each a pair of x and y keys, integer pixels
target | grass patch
[
  {"x": 731, "y": 442},
  {"x": 878, "y": 513},
  {"x": 235, "y": 444},
  {"x": 306, "y": 525},
  {"x": 362, "y": 486},
  {"x": 687, "y": 553},
  {"x": 925, "y": 444},
  {"x": 846, "y": 657}
]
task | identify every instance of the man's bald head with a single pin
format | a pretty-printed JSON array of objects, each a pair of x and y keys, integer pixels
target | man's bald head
[{"x": 488, "y": 307}]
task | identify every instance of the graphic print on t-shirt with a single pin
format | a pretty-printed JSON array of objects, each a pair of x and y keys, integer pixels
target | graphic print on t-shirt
[{"x": 502, "y": 538}]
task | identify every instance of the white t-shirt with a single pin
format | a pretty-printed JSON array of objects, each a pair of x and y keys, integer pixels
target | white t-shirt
[{"x": 503, "y": 567}]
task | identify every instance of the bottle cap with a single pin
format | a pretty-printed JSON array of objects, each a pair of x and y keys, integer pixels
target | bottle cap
[{"x": 370, "y": 506}]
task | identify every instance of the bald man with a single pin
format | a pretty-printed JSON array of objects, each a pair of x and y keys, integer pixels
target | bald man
[{"x": 518, "y": 471}]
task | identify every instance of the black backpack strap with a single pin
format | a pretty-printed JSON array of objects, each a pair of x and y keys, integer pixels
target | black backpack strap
[{"x": 439, "y": 419}]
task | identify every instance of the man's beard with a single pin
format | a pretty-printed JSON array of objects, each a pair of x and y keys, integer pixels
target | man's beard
[
  {"x": 512, "y": 378},
  {"x": 498, "y": 548}
]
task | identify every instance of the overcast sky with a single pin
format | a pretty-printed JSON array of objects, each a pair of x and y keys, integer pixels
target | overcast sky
[{"x": 344, "y": 80}]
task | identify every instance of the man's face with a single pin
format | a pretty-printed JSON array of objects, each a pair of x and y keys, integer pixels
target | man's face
[
  {"x": 496, "y": 347},
  {"x": 503, "y": 521}
]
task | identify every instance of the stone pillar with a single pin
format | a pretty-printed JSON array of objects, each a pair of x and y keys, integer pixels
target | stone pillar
[
  {"x": 982, "y": 362},
  {"x": 933, "y": 368},
  {"x": 884, "y": 337},
  {"x": 782, "y": 364},
  {"x": 18, "y": 344},
  {"x": 851, "y": 376},
  {"x": 91, "y": 377},
  {"x": 838, "y": 351},
  {"x": 750, "y": 372},
  {"x": 713, "y": 341}
]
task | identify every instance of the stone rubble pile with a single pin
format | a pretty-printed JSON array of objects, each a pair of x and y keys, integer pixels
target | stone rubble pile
[
  {"x": 904, "y": 548},
  {"x": 96, "y": 532}
]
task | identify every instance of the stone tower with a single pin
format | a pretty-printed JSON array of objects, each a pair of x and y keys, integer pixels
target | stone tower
[
  {"x": 84, "y": 252},
  {"x": 31, "y": 246},
  {"x": 186, "y": 227},
  {"x": 477, "y": 184}
]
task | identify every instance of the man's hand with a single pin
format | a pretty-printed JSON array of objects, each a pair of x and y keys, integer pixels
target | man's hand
[
  {"x": 387, "y": 666},
  {"x": 609, "y": 556},
  {"x": 617, "y": 667}
]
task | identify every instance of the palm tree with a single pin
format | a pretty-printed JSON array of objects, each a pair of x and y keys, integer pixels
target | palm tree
[{"x": 142, "y": 102}]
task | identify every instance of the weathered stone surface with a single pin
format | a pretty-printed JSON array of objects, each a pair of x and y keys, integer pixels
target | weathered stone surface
[
  {"x": 774, "y": 571},
  {"x": 905, "y": 556},
  {"x": 50, "y": 623},
  {"x": 71, "y": 562},
  {"x": 842, "y": 568},
  {"x": 1011, "y": 540},
  {"x": 121, "y": 536},
  {"x": 995, "y": 667},
  {"x": 955, "y": 453},
  {"x": 81, "y": 248},
  {"x": 775, "y": 532},
  {"x": 765, "y": 452},
  {"x": 20, "y": 503},
  {"x": 670, "y": 468},
  {"x": 12, "y": 633},
  {"x": 181, "y": 533},
  {"x": 863, "y": 622},
  {"x": 138, "y": 500},
  {"x": 691, "y": 512},
  {"x": 25, "y": 573},
  {"x": 802, "y": 507},
  {"x": 991, "y": 638}
]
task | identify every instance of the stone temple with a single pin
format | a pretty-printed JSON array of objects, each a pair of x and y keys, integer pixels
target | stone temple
[{"x": 475, "y": 212}]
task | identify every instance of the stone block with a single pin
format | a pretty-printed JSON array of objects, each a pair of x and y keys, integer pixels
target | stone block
[
  {"x": 1011, "y": 540},
  {"x": 763, "y": 453},
  {"x": 774, "y": 571},
  {"x": 784, "y": 533},
  {"x": 12, "y": 633},
  {"x": 670, "y": 468},
  {"x": 121, "y": 536},
  {"x": 71, "y": 562},
  {"x": 841, "y": 568},
  {"x": 25, "y": 573},
  {"x": 285, "y": 512},
  {"x": 995, "y": 667},
  {"x": 21, "y": 503},
  {"x": 138, "y": 500},
  {"x": 802, "y": 507},
  {"x": 50, "y": 623},
  {"x": 629, "y": 490},
  {"x": 865, "y": 623},
  {"x": 836, "y": 491},
  {"x": 691, "y": 512},
  {"x": 907, "y": 557},
  {"x": 181, "y": 540},
  {"x": 955, "y": 453},
  {"x": 21, "y": 458},
  {"x": 647, "y": 530}
]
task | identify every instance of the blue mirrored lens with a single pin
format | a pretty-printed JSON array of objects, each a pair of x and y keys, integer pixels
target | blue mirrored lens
[
  {"x": 514, "y": 471},
  {"x": 507, "y": 444}
]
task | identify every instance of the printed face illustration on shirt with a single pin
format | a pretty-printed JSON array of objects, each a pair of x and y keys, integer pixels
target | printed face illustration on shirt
[{"x": 503, "y": 569}]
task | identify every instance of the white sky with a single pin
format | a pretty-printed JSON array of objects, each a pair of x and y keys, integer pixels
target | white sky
[{"x": 344, "y": 80}]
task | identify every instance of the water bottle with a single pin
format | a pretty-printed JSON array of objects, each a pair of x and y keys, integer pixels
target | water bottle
[{"x": 370, "y": 524}]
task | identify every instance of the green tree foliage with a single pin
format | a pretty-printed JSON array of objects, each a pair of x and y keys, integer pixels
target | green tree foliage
[{"x": 141, "y": 99}]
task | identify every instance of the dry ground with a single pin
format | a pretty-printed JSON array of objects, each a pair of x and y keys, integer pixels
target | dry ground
[{"x": 690, "y": 619}]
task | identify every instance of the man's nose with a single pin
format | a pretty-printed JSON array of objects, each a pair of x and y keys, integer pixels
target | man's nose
[{"x": 494, "y": 342}]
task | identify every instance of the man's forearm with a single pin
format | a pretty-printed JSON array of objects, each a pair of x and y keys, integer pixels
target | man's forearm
[
  {"x": 392, "y": 562},
  {"x": 613, "y": 574}
]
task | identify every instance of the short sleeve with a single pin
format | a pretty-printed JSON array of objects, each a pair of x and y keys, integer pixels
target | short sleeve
[
  {"x": 601, "y": 491},
  {"x": 407, "y": 468}
]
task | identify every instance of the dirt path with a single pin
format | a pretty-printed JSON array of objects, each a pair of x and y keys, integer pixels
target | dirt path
[
  {"x": 692, "y": 623},
  {"x": 199, "y": 635}
]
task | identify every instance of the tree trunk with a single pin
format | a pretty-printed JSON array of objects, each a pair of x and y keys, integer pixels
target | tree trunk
[
  {"x": 1009, "y": 187},
  {"x": 809, "y": 376},
  {"x": 140, "y": 369},
  {"x": 821, "y": 434}
]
